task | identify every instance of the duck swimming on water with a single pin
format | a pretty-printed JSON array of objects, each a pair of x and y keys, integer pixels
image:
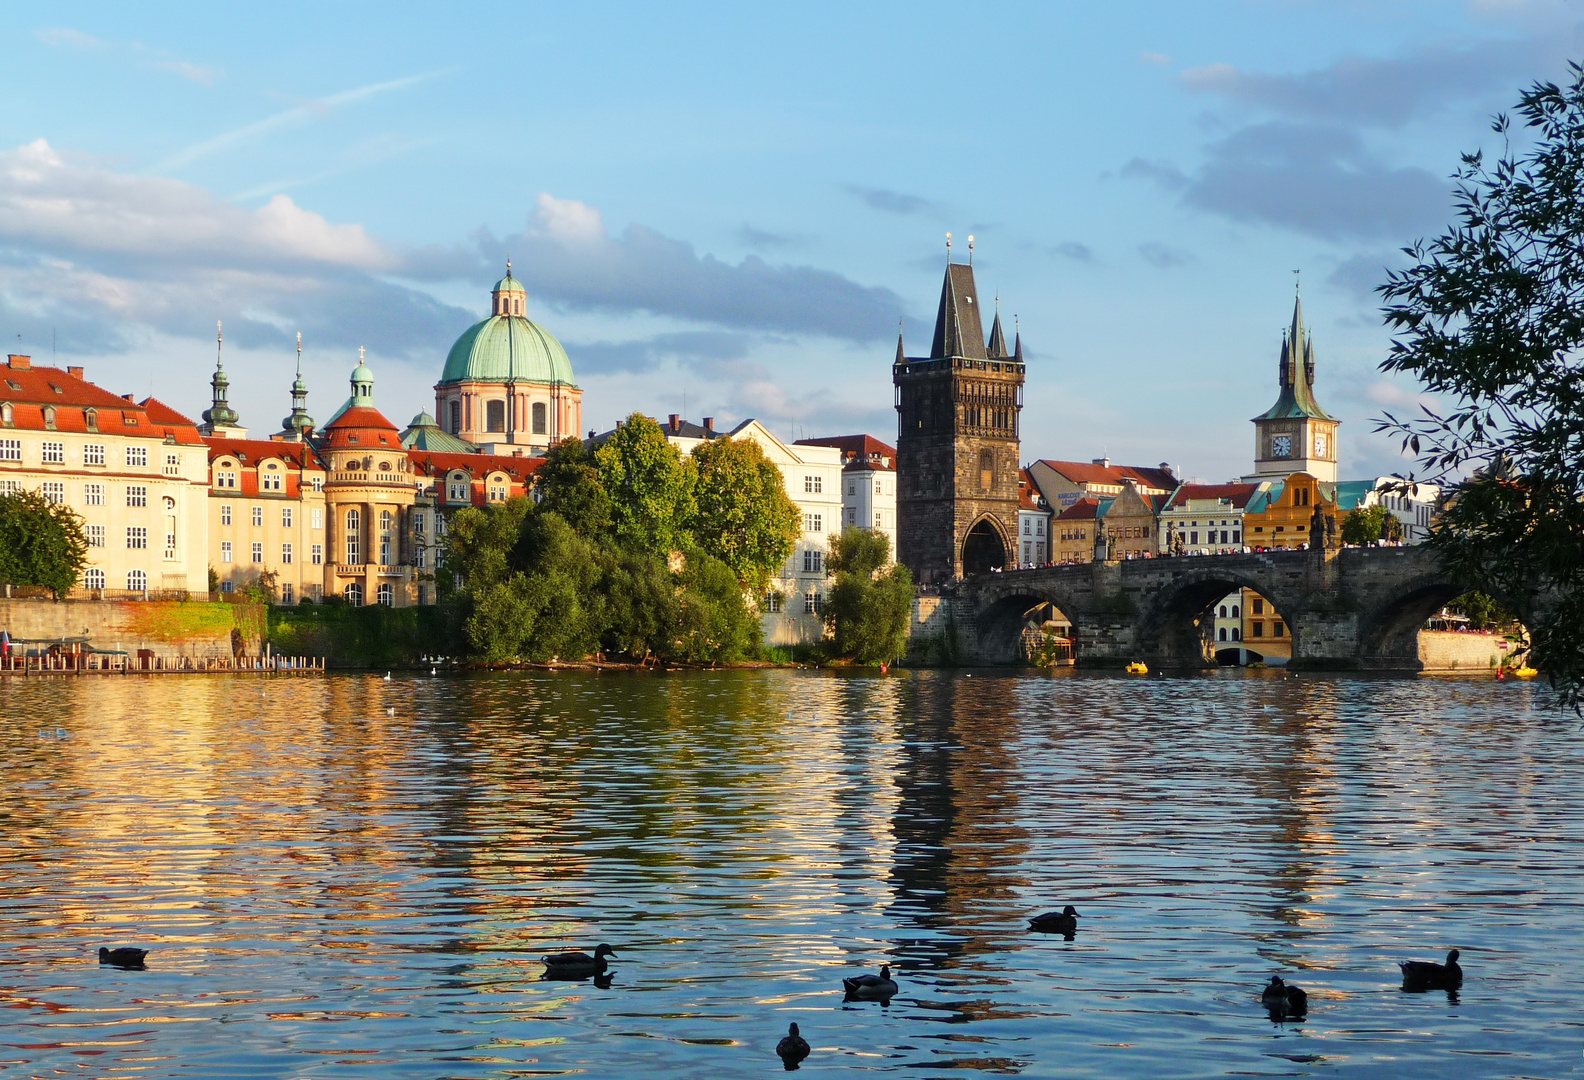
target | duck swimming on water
[
  {"x": 881, "y": 987},
  {"x": 1421, "y": 975},
  {"x": 792, "y": 1048},
  {"x": 122, "y": 957},
  {"x": 1064, "y": 921},
  {"x": 1284, "y": 999},
  {"x": 577, "y": 965}
]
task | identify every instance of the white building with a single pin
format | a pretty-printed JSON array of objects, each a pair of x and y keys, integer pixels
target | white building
[
  {"x": 1205, "y": 519},
  {"x": 1034, "y": 523},
  {"x": 1415, "y": 510},
  {"x": 868, "y": 483}
]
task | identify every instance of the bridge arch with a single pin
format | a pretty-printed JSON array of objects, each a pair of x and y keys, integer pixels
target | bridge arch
[
  {"x": 1005, "y": 614},
  {"x": 1389, "y": 629},
  {"x": 1176, "y": 627}
]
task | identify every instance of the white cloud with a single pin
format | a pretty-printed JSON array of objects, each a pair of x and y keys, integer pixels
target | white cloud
[{"x": 568, "y": 222}]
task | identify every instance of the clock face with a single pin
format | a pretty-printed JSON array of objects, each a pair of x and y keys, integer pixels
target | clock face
[
  {"x": 1281, "y": 446},
  {"x": 1320, "y": 444}
]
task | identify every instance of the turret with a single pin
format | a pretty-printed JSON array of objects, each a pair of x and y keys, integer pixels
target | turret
[
  {"x": 299, "y": 425},
  {"x": 219, "y": 418}
]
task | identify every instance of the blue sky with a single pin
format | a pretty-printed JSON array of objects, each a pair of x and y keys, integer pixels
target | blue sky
[{"x": 732, "y": 206}]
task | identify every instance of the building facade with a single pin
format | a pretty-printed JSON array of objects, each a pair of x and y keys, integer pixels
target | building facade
[
  {"x": 1205, "y": 519},
  {"x": 1034, "y": 518},
  {"x": 267, "y": 509},
  {"x": 1280, "y": 514},
  {"x": 1065, "y": 482},
  {"x": 868, "y": 483},
  {"x": 1073, "y": 531},
  {"x": 134, "y": 471},
  {"x": 1295, "y": 434},
  {"x": 958, "y": 415}
]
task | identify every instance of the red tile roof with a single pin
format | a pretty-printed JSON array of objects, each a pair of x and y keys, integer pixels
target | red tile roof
[
  {"x": 362, "y": 426},
  {"x": 859, "y": 452},
  {"x": 252, "y": 451},
  {"x": 1082, "y": 510},
  {"x": 173, "y": 423},
  {"x": 1085, "y": 472},
  {"x": 1238, "y": 494},
  {"x": 30, "y": 390},
  {"x": 1029, "y": 496},
  {"x": 430, "y": 463}
]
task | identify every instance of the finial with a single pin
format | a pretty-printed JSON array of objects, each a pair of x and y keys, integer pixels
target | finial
[
  {"x": 508, "y": 267},
  {"x": 299, "y": 352},
  {"x": 360, "y": 356},
  {"x": 970, "y": 249},
  {"x": 1297, "y": 283},
  {"x": 948, "y": 248},
  {"x": 219, "y": 344}
]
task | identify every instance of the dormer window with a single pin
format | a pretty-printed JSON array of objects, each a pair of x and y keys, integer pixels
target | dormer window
[
  {"x": 91, "y": 419},
  {"x": 7, "y": 414},
  {"x": 49, "y": 416}
]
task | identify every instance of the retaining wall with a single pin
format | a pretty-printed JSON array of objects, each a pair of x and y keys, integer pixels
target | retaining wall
[{"x": 170, "y": 629}]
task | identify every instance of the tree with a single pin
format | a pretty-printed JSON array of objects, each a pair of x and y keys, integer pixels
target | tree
[
  {"x": 569, "y": 486},
  {"x": 1490, "y": 318},
  {"x": 649, "y": 484},
  {"x": 713, "y": 623},
  {"x": 41, "y": 543},
  {"x": 1482, "y": 611},
  {"x": 870, "y": 607},
  {"x": 479, "y": 544},
  {"x": 743, "y": 515},
  {"x": 1367, "y": 524}
]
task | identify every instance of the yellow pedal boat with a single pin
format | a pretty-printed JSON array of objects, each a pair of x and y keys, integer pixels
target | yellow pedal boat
[
  {"x": 1525, "y": 672},
  {"x": 1137, "y": 668}
]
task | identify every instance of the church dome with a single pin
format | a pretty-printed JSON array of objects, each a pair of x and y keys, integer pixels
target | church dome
[{"x": 507, "y": 346}]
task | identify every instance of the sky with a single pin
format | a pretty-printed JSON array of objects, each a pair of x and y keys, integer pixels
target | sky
[{"x": 725, "y": 210}]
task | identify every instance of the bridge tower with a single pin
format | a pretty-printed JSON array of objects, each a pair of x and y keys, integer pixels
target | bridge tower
[{"x": 958, "y": 412}]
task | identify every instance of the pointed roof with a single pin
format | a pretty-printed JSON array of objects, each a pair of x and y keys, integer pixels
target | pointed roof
[
  {"x": 958, "y": 331},
  {"x": 900, "y": 357},
  {"x": 997, "y": 349},
  {"x": 1296, "y": 371}
]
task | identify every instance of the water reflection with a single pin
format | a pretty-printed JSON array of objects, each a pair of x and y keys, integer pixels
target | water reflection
[{"x": 341, "y": 872}]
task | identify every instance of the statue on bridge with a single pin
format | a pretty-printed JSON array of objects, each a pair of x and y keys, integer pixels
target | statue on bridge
[{"x": 1323, "y": 532}]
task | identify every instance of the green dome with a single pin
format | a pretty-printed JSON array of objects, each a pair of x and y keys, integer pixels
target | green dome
[
  {"x": 508, "y": 284},
  {"x": 504, "y": 348}
]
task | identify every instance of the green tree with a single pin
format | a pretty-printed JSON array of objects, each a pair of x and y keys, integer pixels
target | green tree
[
  {"x": 743, "y": 516},
  {"x": 640, "y": 605},
  {"x": 650, "y": 487},
  {"x": 545, "y": 604},
  {"x": 1490, "y": 319},
  {"x": 479, "y": 545},
  {"x": 1482, "y": 611},
  {"x": 41, "y": 543},
  {"x": 1367, "y": 524},
  {"x": 870, "y": 606},
  {"x": 569, "y": 485},
  {"x": 713, "y": 623}
]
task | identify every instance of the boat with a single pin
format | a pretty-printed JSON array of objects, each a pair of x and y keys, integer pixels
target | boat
[
  {"x": 1138, "y": 668},
  {"x": 1525, "y": 672}
]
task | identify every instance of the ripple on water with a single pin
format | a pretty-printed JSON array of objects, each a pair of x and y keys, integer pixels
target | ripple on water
[{"x": 330, "y": 887}]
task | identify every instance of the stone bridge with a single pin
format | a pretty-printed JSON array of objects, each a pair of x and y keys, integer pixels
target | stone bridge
[{"x": 1358, "y": 608}]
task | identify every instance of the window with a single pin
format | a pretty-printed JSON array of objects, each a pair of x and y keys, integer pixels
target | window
[
  {"x": 137, "y": 537},
  {"x": 495, "y": 416},
  {"x": 458, "y": 491},
  {"x": 136, "y": 495},
  {"x": 852, "y": 489},
  {"x": 1276, "y": 629},
  {"x": 225, "y": 551},
  {"x": 813, "y": 561},
  {"x": 318, "y": 484},
  {"x": 1028, "y": 526},
  {"x": 227, "y": 586},
  {"x": 91, "y": 419},
  {"x": 387, "y": 595},
  {"x": 258, "y": 517},
  {"x": 385, "y": 537},
  {"x": 225, "y": 479},
  {"x": 93, "y": 494},
  {"x": 170, "y": 538},
  {"x": 354, "y": 595},
  {"x": 93, "y": 578},
  {"x": 286, "y": 593},
  {"x": 54, "y": 453},
  {"x": 420, "y": 522},
  {"x": 540, "y": 419},
  {"x": 1237, "y": 635},
  {"x": 286, "y": 554},
  {"x": 225, "y": 513},
  {"x": 258, "y": 551},
  {"x": 1259, "y": 630},
  {"x": 1237, "y": 536},
  {"x": 96, "y": 536},
  {"x": 1223, "y": 633},
  {"x": 421, "y": 557},
  {"x": 877, "y": 488},
  {"x": 813, "y": 523},
  {"x": 316, "y": 554},
  {"x": 137, "y": 457},
  {"x": 354, "y": 522},
  {"x": 813, "y": 484},
  {"x": 852, "y": 515},
  {"x": 7, "y": 413},
  {"x": 811, "y": 603},
  {"x": 986, "y": 469},
  {"x": 172, "y": 465},
  {"x": 286, "y": 517},
  {"x": 316, "y": 519},
  {"x": 773, "y": 602},
  {"x": 497, "y": 494},
  {"x": 1259, "y": 606},
  {"x": 53, "y": 491},
  {"x": 94, "y": 454},
  {"x": 1235, "y": 611},
  {"x": 1039, "y": 526},
  {"x": 456, "y": 417},
  {"x": 269, "y": 481},
  {"x": 1223, "y": 611},
  {"x": 137, "y": 581},
  {"x": 1193, "y": 536},
  {"x": 877, "y": 519}
]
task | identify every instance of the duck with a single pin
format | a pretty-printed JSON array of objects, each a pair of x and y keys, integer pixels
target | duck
[
  {"x": 792, "y": 1048},
  {"x": 879, "y": 987},
  {"x": 1064, "y": 921},
  {"x": 577, "y": 965},
  {"x": 1428, "y": 975},
  {"x": 1282, "y": 997},
  {"x": 122, "y": 957}
]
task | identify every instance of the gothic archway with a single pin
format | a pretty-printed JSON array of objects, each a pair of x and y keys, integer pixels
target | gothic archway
[{"x": 983, "y": 549}]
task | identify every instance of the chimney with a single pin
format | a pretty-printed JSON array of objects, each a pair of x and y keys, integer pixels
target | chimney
[
  {"x": 20, "y": 363},
  {"x": 1166, "y": 468},
  {"x": 1103, "y": 462},
  {"x": 75, "y": 372},
  {"x": 128, "y": 397},
  {"x": 676, "y": 421},
  {"x": 709, "y": 424}
]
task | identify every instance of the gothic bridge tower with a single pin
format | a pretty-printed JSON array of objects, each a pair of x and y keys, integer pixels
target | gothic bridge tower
[{"x": 958, "y": 411}]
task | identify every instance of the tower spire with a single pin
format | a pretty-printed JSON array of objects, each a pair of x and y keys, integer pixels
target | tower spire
[
  {"x": 295, "y": 428},
  {"x": 1017, "y": 339},
  {"x": 219, "y": 414},
  {"x": 996, "y": 349},
  {"x": 900, "y": 356}
]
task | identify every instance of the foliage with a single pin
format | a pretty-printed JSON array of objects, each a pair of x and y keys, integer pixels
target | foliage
[
  {"x": 870, "y": 607},
  {"x": 713, "y": 622},
  {"x": 1367, "y": 524},
  {"x": 41, "y": 543},
  {"x": 373, "y": 636},
  {"x": 1482, "y": 611},
  {"x": 478, "y": 545},
  {"x": 569, "y": 485},
  {"x": 214, "y": 580},
  {"x": 261, "y": 590},
  {"x": 744, "y": 516},
  {"x": 179, "y": 621},
  {"x": 650, "y": 487},
  {"x": 1490, "y": 318}
]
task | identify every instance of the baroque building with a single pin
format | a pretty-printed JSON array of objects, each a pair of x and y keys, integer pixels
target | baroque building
[
  {"x": 1295, "y": 434},
  {"x": 958, "y": 412}
]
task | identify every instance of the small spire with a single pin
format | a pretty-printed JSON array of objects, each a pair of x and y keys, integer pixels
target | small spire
[
  {"x": 900, "y": 356},
  {"x": 360, "y": 356},
  {"x": 299, "y": 354},
  {"x": 1017, "y": 344},
  {"x": 219, "y": 344},
  {"x": 508, "y": 267}
]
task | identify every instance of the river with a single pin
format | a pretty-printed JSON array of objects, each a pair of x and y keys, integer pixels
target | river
[{"x": 348, "y": 876}]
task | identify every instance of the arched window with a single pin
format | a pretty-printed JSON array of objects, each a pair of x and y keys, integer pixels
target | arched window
[
  {"x": 1237, "y": 634},
  {"x": 1235, "y": 614},
  {"x": 456, "y": 417},
  {"x": 986, "y": 469},
  {"x": 7, "y": 413},
  {"x": 354, "y": 595},
  {"x": 93, "y": 578},
  {"x": 49, "y": 416},
  {"x": 495, "y": 416},
  {"x": 354, "y": 548},
  {"x": 91, "y": 418},
  {"x": 1223, "y": 635},
  {"x": 137, "y": 580},
  {"x": 539, "y": 422},
  {"x": 387, "y": 596},
  {"x": 1223, "y": 611}
]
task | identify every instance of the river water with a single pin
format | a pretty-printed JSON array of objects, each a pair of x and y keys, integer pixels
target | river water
[{"x": 344, "y": 876}]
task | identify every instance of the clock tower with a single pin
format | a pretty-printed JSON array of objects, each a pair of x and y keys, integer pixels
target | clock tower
[{"x": 1295, "y": 434}]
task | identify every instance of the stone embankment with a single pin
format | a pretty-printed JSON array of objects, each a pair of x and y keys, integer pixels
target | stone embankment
[{"x": 164, "y": 633}]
